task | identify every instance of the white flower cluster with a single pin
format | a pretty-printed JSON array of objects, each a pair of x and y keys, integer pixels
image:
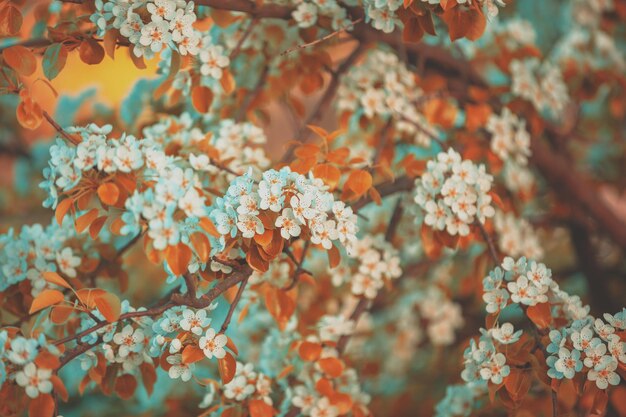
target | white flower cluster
[
  {"x": 150, "y": 26},
  {"x": 177, "y": 186},
  {"x": 174, "y": 130},
  {"x": 442, "y": 316},
  {"x": 454, "y": 193},
  {"x": 382, "y": 13},
  {"x": 591, "y": 346},
  {"x": 301, "y": 204},
  {"x": 591, "y": 49},
  {"x": 17, "y": 358},
  {"x": 212, "y": 59},
  {"x": 37, "y": 250},
  {"x": 377, "y": 261},
  {"x": 541, "y": 84},
  {"x": 483, "y": 361},
  {"x": 382, "y": 87},
  {"x": 175, "y": 183},
  {"x": 516, "y": 237},
  {"x": 529, "y": 283},
  {"x": 515, "y": 32},
  {"x": 589, "y": 13},
  {"x": 520, "y": 281},
  {"x": 518, "y": 179},
  {"x": 509, "y": 138},
  {"x": 307, "y": 13},
  {"x": 241, "y": 144},
  {"x": 246, "y": 384}
]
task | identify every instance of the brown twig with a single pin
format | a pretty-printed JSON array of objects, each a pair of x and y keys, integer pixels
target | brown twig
[
  {"x": 233, "y": 305},
  {"x": 322, "y": 39},
  {"x": 325, "y": 101},
  {"x": 245, "y": 36},
  {"x": 488, "y": 240},
  {"x": 59, "y": 129}
]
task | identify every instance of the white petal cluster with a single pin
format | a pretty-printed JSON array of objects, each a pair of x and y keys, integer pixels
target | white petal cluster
[
  {"x": 150, "y": 26},
  {"x": 382, "y": 87},
  {"x": 516, "y": 237},
  {"x": 373, "y": 262},
  {"x": 509, "y": 138},
  {"x": 454, "y": 193},
  {"x": 540, "y": 83}
]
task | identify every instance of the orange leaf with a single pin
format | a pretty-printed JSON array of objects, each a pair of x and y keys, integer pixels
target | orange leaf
[
  {"x": 476, "y": 116},
  {"x": 96, "y": 226},
  {"x": 108, "y": 193},
  {"x": 463, "y": 22},
  {"x": 227, "y": 366},
  {"x": 343, "y": 402},
  {"x": 334, "y": 257},
  {"x": 231, "y": 345},
  {"x": 328, "y": 173},
  {"x": 286, "y": 371},
  {"x": 47, "y": 360},
  {"x": 28, "y": 112},
  {"x": 432, "y": 248},
  {"x": 359, "y": 182},
  {"x": 440, "y": 112},
  {"x": 85, "y": 220},
  {"x": 88, "y": 296},
  {"x": 42, "y": 406},
  {"x": 125, "y": 386},
  {"x": 259, "y": 408},
  {"x": 109, "y": 305},
  {"x": 256, "y": 261},
  {"x": 10, "y": 20},
  {"x": 320, "y": 131},
  {"x": 333, "y": 367},
  {"x": 178, "y": 257},
  {"x": 192, "y": 354},
  {"x": 91, "y": 52},
  {"x": 308, "y": 150},
  {"x": 59, "y": 314},
  {"x": 46, "y": 298},
  {"x": 116, "y": 226},
  {"x": 148, "y": 375},
  {"x": 202, "y": 245},
  {"x": 54, "y": 278},
  {"x": 201, "y": 97},
  {"x": 209, "y": 227},
  {"x": 540, "y": 314},
  {"x": 21, "y": 59},
  {"x": 62, "y": 208},
  {"x": 309, "y": 351},
  {"x": 227, "y": 81},
  {"x": 59, "y": 387}
]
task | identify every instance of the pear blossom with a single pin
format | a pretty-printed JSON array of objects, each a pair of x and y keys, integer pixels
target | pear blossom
[{"x": 213, "y": 344}]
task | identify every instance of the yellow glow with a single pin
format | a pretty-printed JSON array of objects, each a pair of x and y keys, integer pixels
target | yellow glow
[{"x": 113, "y": 78}]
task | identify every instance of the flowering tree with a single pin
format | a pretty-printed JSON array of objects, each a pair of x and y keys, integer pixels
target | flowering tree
[{"x": 315, "y": 208}]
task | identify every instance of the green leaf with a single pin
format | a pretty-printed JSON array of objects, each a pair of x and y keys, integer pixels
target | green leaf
[{"x": 54, "y": 60}]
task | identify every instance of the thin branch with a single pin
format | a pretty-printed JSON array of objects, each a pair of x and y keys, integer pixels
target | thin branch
[
  {"x": 401, "y": 184},
  {"x": 489, "y": 241},
  {"x": 245, "y": 36},
  {"x": 325, "y": 101},
  {"x": 243, "y": 108},
  {"x": 298, "y": 263},
  {"x": 322, "y": 39},
  {"x": 175, "y": 299},
  {"x": 59, "y": 129},
  {"x": 233, "y": 305}
]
